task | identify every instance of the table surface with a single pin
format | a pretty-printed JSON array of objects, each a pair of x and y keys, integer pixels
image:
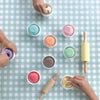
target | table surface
[{"x": 15, "y": 15}]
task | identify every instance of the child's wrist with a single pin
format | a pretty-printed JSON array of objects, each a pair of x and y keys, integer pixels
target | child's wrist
[
  {"x": 91, "y": 94},
  {"x": 89, "y": 91}
]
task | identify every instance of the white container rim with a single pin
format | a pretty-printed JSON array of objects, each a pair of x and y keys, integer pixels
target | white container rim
[{"x": 13, "y": 57}]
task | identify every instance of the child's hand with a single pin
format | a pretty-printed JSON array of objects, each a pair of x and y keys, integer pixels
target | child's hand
[
  {"x": 4, "y": 60},
  {"x": 5, "y": 43},
  {"x": 8, "y": 44},
  {"x": 39, "y": 6},
  {"x": 82, "y": 83}
]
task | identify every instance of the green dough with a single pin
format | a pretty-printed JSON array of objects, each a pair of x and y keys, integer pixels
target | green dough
[{"x": 69, "y": 52}]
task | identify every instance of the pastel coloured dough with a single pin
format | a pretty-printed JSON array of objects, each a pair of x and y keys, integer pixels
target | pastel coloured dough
[
  {"x": 66, "y": 83},
  {"x": 9, "y": 52},
  {"x": 48, "y": 9}
]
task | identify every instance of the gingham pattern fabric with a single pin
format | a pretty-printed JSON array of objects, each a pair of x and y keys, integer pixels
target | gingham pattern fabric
[{"x": 15, "y": 15}]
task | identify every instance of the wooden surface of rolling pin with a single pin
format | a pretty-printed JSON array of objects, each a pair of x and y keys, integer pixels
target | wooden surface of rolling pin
[
  {"x": 85, "y": 52},
  {"x": 49, "y": 85}
]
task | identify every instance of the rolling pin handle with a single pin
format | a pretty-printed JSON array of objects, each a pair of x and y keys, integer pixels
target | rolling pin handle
[
  {"x": 85, "y": 66},
  {"x": 85, "y": 37},
  {"x": 55, "y": 77},
  {"x": 41, "y": 96}
]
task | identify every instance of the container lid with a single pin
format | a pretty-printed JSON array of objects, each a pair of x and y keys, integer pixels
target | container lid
[
  {"x": 69, "y": 52},
  {"x": 33, "y": 29}
]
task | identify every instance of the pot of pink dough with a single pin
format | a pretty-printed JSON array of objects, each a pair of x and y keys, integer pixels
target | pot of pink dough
[{"x": 68, "y": 30}]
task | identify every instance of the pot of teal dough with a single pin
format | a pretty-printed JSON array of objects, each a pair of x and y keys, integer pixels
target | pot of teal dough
[
  {"x": 69, "y": 52},
  {"x": 33, "y": 30}
]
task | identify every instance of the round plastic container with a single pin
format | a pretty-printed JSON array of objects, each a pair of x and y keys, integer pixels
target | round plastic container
[
  {"x": 67, "y": 85},
  {"x": 33, "y": 30},
  {"x": 50, "y": 41},
  {"x": 9, "y": 52},
  {"x": 33, "y": 77},
  {"x": 48, "y": 9},
  {"x": 69, "y": 52},
  {"x": 48, "y": 62},
  {"x": 68, "y": 30}
]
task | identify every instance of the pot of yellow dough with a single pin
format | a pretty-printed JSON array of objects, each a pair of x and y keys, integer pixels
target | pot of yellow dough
[{"x": 65, "y": 83}]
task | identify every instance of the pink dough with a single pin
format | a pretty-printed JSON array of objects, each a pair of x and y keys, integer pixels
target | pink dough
[
  {"x": 68, "y": 30},
  {"x": 33, "y": 77}
]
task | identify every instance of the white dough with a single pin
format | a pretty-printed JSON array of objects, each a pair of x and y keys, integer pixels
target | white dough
[{"x": 48, "y": 9}]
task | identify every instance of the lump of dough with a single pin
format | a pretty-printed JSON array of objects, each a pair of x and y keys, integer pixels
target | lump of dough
[{"x": 48, "y": 10}]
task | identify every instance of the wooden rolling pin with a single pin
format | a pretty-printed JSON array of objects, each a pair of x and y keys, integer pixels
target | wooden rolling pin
[
  {"x": 49, "y": 85},
  {"x": 85, "y": 52}
]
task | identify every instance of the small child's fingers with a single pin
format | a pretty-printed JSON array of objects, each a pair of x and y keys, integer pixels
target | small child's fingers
[
  {"x": 75, "y": 80},
  {"x": 40, "y": 10},
  {"x": 36, "y": 8},
  {"x": 15, "y": 50},
  {"x": 5, "y": 60},
  {"x": 78, "y": 77},
  {"x": 68, "y": 79},
  {"x": 2, "y": 47},
  {"x": 75, "y": 85},
  {"x": 43, "y": 9}
]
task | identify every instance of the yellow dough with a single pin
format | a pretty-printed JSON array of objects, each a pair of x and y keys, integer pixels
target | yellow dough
[
  {"x": 85, "y": 52},
  {"x": 66, "y": 83}
]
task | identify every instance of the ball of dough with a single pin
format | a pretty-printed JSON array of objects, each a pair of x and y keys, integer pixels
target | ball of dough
[{"x": 48, "y": 10}]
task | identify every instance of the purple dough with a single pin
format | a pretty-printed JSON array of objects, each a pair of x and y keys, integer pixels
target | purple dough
[{"x": 9, "y": 52}]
